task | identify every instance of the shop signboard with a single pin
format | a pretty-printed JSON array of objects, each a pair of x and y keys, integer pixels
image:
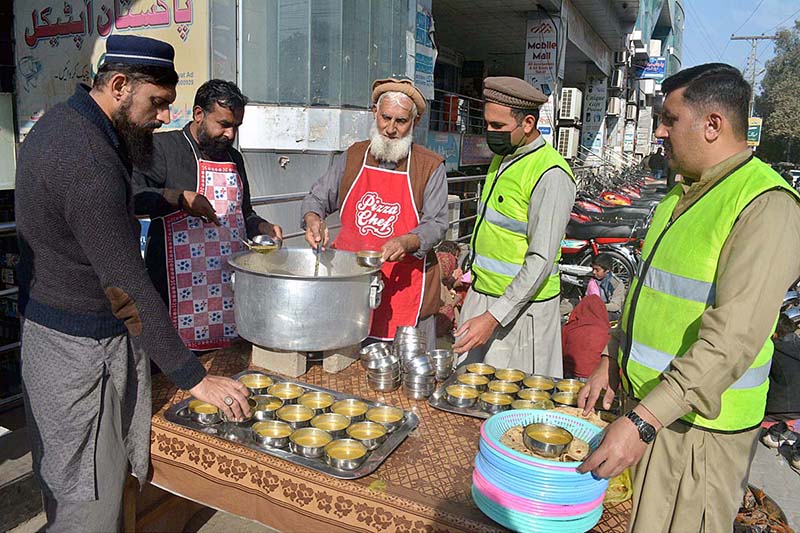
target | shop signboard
[
  {"x": 475, "y": 151},
  {"x": 594, "y": 118},
  {"x": 655, "y": 69},
  {"x": 425, "y": 57},
  {"x": 447, "y": 145},
  {"x": 629, "y": 139},
  {"x": 60, "y": 43},
  {"x": 754, "y": 131}
]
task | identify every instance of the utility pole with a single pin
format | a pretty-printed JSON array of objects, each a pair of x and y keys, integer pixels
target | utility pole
[{"x": 752, "y": 60}]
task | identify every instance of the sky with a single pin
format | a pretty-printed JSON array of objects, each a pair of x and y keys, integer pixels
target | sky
[{"x": 710, "y": 23}]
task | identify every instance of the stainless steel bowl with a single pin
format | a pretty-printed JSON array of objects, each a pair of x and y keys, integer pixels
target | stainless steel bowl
[
  {"x": 352, "y": 408},
  {"x": 571, "y": 386},
  {"x": 474, "y": 380},
  {"x": 417, "y": 394},
  {"x": 384, "y": 386},
  {"x": 389, "y": 417},
  {"x": 538, "y": 382},
  {"x": 370, "y": 258},
  {"x": 288, "y": 392},
  {"x": 546, "y": 439},
  {"x": 505, "y": 387},
  {"x": 256, "y": 382},
  {"x": 419, "y": 379},
  {"x": 481, "y": 369},
  {"x": 309, "y": 442},
  {"x": 411, "y": 330},
  {"x": 565, "y": 398},
  {"x": 247, "y": 418},
  {"x": 266, "y": 406},
  {"x": 320, "y": 402},
  {"x": 461, "y": 395},
  {"x": 523, "y": 404},
  {"x": 511, "y": 375},
  {"x": 345, "y": 454},
  {"x": 297, "y": 416},
  {"x": 204, "y": 413},
  {"x": 533, "y": 395},
  {"x": 494, "y": 402},
  {"x": 370, "y": 434},
  {"x": 383, "y": 364},
  {"x": 333, "y": 423},
  {"x": 272, "y": 433}
]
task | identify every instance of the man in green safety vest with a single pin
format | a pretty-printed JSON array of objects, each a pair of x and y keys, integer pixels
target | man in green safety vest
[
  {"x": 510, "y": 316},
  {"x": 693, "y": 349}
]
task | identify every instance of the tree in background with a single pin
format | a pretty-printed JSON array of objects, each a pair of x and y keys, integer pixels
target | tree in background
[{"x": 779, "y": 101}]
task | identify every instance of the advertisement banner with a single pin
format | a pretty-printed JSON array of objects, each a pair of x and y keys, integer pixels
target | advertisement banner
[
  {"x": 447, "y": 145},
  {"x": 754, "y": 131},
  {"x": 656, "y": 69},
  {"x": 60, "y": 43},
  {"x": 629, "y": 139},
  {"x": 594, "y": 118},
  {"x": 425, "y": 58},
  {"x": 475, "y": 151},
  {"x": 542, "y": 53}
]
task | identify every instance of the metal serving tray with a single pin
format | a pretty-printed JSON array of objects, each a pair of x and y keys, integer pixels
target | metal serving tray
[
  {"x": 438, "y": 400},
  {"x": 242, "y": 434}
]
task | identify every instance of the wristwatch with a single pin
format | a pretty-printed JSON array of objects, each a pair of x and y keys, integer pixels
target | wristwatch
[{"x": 646, "y": 431}]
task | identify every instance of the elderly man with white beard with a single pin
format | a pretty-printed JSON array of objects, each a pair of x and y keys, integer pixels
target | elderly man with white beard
[{"x": 391, "y": 195}]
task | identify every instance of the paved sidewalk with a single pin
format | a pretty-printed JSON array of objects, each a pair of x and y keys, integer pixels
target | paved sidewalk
[{"x": 771, "y": 473}]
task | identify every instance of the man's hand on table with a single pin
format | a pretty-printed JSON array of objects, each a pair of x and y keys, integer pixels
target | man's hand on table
[
  {"x": 198, "y": 205},
  {"x": 604, "y": 378},
  {"x": 316, "y": 230},
  {"x": 397, "y": 248},
  {"x": 214, "y": 390},
  {"x": 475, "y": 332}
]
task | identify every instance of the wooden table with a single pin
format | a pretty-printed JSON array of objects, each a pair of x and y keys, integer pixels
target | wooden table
[{"x": 423, "y": 486}]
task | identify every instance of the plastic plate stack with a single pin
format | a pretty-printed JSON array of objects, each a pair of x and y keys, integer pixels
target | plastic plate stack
[{"x": 526, "y": 493}]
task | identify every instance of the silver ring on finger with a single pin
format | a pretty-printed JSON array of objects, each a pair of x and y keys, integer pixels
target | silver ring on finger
[{"x": 228, "y": 401}]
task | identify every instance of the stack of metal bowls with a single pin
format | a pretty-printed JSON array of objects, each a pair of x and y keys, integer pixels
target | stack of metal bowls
[
  {"x": 443, "y": 362},
  {"x": 409, "y": 342},
  {"x": 419, "y": 378},
  {"x": 384, "y": 372}
]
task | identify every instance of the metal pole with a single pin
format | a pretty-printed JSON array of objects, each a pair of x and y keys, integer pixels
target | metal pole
[{"x": 752, "y": 60}]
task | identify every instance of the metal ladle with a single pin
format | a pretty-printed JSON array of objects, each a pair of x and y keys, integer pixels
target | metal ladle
[{"x": 260, "y": 243}]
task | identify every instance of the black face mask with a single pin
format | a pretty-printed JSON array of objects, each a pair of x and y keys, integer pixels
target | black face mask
[{"x": 500, "y": 142}]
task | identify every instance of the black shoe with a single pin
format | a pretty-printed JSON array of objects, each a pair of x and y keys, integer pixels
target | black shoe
[{"x": 778, "y": 435}]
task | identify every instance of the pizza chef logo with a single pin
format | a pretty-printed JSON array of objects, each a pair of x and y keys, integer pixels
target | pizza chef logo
[{"x": 375, "y": 216}]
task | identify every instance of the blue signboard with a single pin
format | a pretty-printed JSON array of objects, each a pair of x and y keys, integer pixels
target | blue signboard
[
  {"x": 447, "y": 145},
  {"x": 656, "y": 69}
]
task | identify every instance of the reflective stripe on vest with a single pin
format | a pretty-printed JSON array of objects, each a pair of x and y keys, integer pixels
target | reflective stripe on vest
[
  {"x": 677, "y": 283},
  {"x": 500, "y": 241},
  {"x": 659, "y": 361}
]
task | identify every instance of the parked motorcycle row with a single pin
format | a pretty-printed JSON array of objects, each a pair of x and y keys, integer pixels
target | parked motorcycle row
[{"x": 611, "y": 215}]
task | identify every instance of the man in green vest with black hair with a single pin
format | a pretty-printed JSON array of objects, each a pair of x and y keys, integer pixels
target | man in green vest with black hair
[
  {"x": 510, "y": 317},
  {"x": 693, "y": 350}
]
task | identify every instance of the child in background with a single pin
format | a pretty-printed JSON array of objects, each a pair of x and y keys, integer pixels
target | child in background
[
  {"x": 607, "y": 286},
  {"x": 453, "y": 288}
]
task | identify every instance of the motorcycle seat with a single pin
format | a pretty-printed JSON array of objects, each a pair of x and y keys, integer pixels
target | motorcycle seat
[{"x": 591, "y": 230}]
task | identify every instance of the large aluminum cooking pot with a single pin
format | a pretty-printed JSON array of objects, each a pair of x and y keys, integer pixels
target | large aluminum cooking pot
[{"x": 281, "y": 304}]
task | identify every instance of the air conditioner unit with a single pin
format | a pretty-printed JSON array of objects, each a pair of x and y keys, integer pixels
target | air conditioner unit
[
  {"x": 630, "y": 111},
  {"x": 570, "y": 104},
  {"x": 621, "y": 57},
  {"x": 618, "y": 78},
  {"x": 568, "y": 141},
  {"x": 648, "y": 86},
  {"x": 614, "y": 106},
  {"x": 635, "y": 38}
]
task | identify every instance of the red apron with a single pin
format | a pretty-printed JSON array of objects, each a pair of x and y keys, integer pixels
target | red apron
[
  {"x": 380, "y": 206},
  {"x": 198, "y": 274}
]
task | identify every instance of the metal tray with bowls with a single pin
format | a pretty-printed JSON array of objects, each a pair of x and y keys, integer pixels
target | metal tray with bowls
[
  {"x": 438, "y": 400},
  {"x": 243, "y": 433}
]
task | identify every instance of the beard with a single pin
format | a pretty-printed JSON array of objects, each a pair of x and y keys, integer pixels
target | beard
[
  {"x": 137, "y": 138},
  {"x": 389, "y": 150},
  {"x": 213, "y": 147}
]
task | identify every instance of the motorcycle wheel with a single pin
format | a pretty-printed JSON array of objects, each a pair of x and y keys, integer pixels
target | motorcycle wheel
[{"x": 621, "y": 267}]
